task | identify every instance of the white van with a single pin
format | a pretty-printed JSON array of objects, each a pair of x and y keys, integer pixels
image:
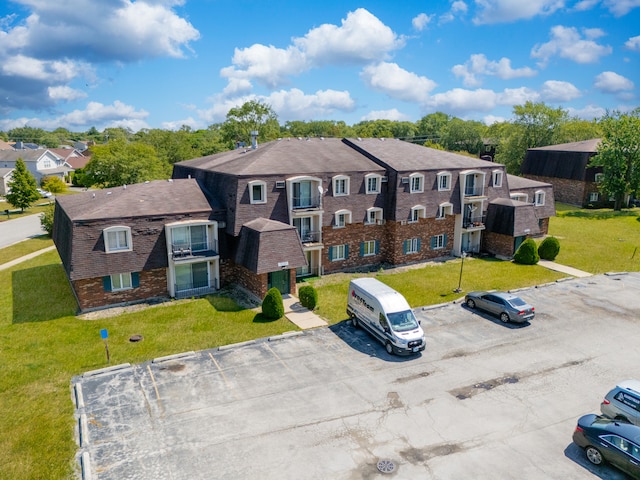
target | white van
[{"x": 386, "y": 314}]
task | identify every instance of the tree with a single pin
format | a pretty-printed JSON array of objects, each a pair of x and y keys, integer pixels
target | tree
[
  {"x": 430, "y": 126},
  {"x": 53, "y": 184},
  {"x": 46, "y": 219},
  {"x": 124, "y": 163},
  {"x": 23, "y": 187},
  {"x": 460, "y": 135},
  {"x": 619, "y": 156},
  {"x": 251, "y": 116}
]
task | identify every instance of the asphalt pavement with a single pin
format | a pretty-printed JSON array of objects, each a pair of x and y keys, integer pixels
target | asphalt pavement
[{"x": 19, "y": 229}]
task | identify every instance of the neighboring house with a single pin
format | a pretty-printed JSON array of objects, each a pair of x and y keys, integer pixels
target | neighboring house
[
  {"x": 138, "y": 242},
  {"x": 566, "y": 167},
  {"x": 6, "y": 175},
  {"x": 40, "y": 162},
  {"x": 292, "y": 208},
  {"x": 5, "y": 146}
]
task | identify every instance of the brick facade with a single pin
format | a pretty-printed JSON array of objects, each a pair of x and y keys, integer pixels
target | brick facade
[
  {"x": 498, "y": 244},
  {"x": 566, "y": 190},
  {"x": 92, "y": 295}
]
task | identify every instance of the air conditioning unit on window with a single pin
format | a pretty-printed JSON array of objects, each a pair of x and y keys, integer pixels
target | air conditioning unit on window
[
  {"x": 380, "y": 221},
  {"x": 405, "y": 180},
  {"x": 403, "y": 222},
  {"x": 384, "y": 179},
  {"x": 280, "y": 184}
]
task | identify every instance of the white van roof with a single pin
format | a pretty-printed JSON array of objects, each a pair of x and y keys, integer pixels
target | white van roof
[{"x": 390, "y": 299}]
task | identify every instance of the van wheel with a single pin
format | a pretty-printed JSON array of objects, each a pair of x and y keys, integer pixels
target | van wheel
[
  {"x": 354, "y": 321},
  {"x": 389, "y": 348},
  {"x": 504, "y": 317},
  {"x": 594, "y": 455}
]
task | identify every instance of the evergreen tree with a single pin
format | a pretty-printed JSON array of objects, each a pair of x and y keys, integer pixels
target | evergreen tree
[{"x": 23, "y": 187}]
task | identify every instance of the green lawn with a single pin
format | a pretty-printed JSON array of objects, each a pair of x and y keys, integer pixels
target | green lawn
[{"x": 43, "y": 344}]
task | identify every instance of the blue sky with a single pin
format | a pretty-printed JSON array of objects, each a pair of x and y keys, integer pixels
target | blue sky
[{"x": 167, "y": 63}]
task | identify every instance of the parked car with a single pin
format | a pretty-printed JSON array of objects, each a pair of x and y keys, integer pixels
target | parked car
[
  {"x": 44, "y": 193},
  {"x": 623, "y": 402},
  {"x": 508, "y": 307},
  {"x": 607, "y": 440}
]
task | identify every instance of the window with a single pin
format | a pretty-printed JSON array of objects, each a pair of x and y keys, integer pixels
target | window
[
  {"x": 444, "y": 209},
  {"x": 417, "y": 182},
  {"x": 411, "y": 245},
  {"x": 374, "y": 216},
  {"x": 338, "y": 252},
  {"x": 497, "y": 178},
  {"x": 444, "y": 181},
  {"x": 303, "y": 225},
  {"x": 521, "y": 197},
  {"x": 192, "y": 275},
  {"x": 46, "y": 163},
  {"x": 418, "y": 212},
  {"x": 340, "y": 185},
  {"x": 372, "y": 181},
  {"x": 438, "y": 241},
  {"x": 599, "y": 177},
  {"x": 342, "y": 217},
  {"x": 539, "y": 198},
  {"x": 192, "y": 238},
  {"x": 258, "y": 191},
  {"x": 121, "y": 281},
  {"x": 594, "y": 196},
  {"x": 117, "y": 239},
  {"x": 368, "y": 248}
]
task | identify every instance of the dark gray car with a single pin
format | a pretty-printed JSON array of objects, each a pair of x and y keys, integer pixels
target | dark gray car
[{"x": 506, "y": 306}]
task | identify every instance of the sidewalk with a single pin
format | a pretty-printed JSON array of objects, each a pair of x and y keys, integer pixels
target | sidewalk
[
  {"x": 563, "y": 268},
  {"x": 300, "y": 315},
  {"x": 26, "y": 257}
]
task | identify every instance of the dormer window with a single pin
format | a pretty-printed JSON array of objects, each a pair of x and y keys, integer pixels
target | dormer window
[
  {"x": 497, "y": 178},
  {"x": 444, "y": 181},
  {"x": 539, "y": 198},
  {"x": 117, "y": 239},
  {"x": 373, "y": 182},
  {"x": 340, "y": 185},
  {"x": 417, "y": 213},
  {"x": 374, "y": 216},
  {"x": 342, "y": 218},
  {"x": 599, "y": 177},
  {"x": 444, "y": 209},
  {"x": 521, "y": 197},
  {"x": 258, "y": 191},
  {"x": 417, "y": 182}
]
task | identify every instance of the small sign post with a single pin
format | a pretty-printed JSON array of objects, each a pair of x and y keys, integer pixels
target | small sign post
[{"x": 105, "y": 335}]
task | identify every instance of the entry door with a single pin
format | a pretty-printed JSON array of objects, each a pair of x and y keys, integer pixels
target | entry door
[{"x": 280, "y": 280}]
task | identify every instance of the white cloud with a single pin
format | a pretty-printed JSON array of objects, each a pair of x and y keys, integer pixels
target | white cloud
[
  {"x": 30, "y": 68},
  {"x": 621, "y": 7},
  {"x": 567, "y": 42},
  {"x": 633, "y": 44},
  {"x": 585, "y": 5},
  {"x": 458, "y": 8},
  {"x": 396, "y": 82},
  {"x": 611, "y": 82},
  {"x": 65, "y": 93},
  {"x": 479, "y": 65},
  {"x": 558, "y": 91},
  {"x": 178, "y": 124},
  {"x": 587, "y": 113},
  {"x": 459, "y": 101},
  {"x": 96, "y": 113},
  {"x": 491, "y": 119},
  {"x": 517, "y": 96},
  {"x": 501, "y": 11},
  {"x": 393, "y": 115},
  {"x": 421, "y": 21}
]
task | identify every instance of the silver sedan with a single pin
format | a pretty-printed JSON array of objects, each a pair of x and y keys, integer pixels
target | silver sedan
[{"x": 506, "y": 306}]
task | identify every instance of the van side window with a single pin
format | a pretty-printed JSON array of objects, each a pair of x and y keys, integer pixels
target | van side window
[{"x": 383, "y": 322}]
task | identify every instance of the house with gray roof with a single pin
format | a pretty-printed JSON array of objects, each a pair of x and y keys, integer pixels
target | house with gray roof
[
  {"x": 566, "y": 167},
  {"x": 40, "y": 162},
  {"x": 289, "y": 209}
]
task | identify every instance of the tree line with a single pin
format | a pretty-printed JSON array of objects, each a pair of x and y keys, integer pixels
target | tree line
[{"x": 120, "y": 156}]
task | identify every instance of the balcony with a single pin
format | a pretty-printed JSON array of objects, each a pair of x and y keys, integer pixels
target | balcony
[
  {"x": 474, "y": 222},
  {"x": 310, "y": 237},
  {"x": 196, "y": 289},
  {"x": 306, "y": 201},
  {"x": 472, "y": 191},
  {"x": 185, "y": 251}
]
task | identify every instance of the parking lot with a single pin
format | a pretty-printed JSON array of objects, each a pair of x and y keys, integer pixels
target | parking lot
[{"x": 485, "y": 400}]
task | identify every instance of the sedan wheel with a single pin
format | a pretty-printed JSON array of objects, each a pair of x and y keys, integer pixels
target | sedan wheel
[
  {"x": 354, "y": 321},
  {"x": 504, "y": 317},
  {"x": 471, "y": 303},
  {"x": 594, "y": 456}
]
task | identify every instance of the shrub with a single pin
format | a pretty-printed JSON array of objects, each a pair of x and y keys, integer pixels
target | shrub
[
  {"x": 527, "y": 253},
  {"x": 46, "y": 219},
  {"x": 549, "y": 248},
  {"x": 308, "y": 296},
  {"x": 53, "y": 184},
  {"x": 272, "y": 305}
]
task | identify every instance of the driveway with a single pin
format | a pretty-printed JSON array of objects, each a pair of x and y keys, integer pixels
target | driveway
[
  {"x": 18, "y": 229},
  {"x": 485, "y": 400}
]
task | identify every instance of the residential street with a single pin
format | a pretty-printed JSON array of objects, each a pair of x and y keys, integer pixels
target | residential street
[{"x": 18, "y": 229}]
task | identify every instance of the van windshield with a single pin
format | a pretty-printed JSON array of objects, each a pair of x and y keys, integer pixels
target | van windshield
[{"x": 402, "y": 321}]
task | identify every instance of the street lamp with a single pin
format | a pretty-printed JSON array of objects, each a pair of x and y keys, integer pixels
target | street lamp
[{"x": 458, "y": 290}]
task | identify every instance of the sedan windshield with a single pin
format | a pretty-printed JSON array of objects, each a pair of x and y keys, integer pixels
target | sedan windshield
[{"x": 403, "y": 321}]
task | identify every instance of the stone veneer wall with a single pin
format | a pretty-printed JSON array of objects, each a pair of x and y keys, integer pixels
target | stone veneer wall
[{"x": 91, "y": 294}]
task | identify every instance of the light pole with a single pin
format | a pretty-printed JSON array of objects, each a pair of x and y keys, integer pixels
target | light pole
[{"x": 458, "y": 290}]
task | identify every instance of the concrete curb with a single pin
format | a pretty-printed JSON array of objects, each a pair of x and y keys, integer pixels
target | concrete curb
[
  {"x": 173, "y": 357},
  {"x": 102, "y": 371}
]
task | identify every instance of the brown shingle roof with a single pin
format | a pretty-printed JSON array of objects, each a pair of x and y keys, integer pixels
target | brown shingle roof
[
  {"x": 143, "y": 199},
  {"x": 516, "y": 182},
  {"x": 589, "y": 146}
]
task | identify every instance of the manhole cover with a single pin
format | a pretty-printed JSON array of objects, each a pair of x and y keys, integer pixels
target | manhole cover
[
  {"x": 386, "y": 466},
  {"x": 135, "y": 338}
]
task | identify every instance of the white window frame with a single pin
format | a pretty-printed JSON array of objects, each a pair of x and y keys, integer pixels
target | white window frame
[
  {"x": 444, "y": 209},
  {"x": 497, "y": 178},
  {"x": 439, "y": 242},
  {"x": 122, "y": 279},
  {"x": 263, "y": 188},
  {"x": 412, "y": 246},
  {"x": 418, "y": 212},
  {"x": 539, "y": 198},
  {"x": 338, "y": 179},
  {"x": 342, "y": 218},
  {"x": 108, "y": 239},
  {"x": 599, "y": 177},
  {"x": 374, "y": 216},
  {"x": 594, "y": 197},
  {"x": 370, "y": 247},
  {"x": 441, "y": 177},
  {"x": 367, "y": 180},
  {"x": 520, "y": 197},
  {"x": 416, "y": 182},
  {"x": 338, "y": 253}
]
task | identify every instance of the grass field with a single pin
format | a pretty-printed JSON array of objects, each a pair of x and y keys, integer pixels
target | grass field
[{"x": 43, "y": 344}]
